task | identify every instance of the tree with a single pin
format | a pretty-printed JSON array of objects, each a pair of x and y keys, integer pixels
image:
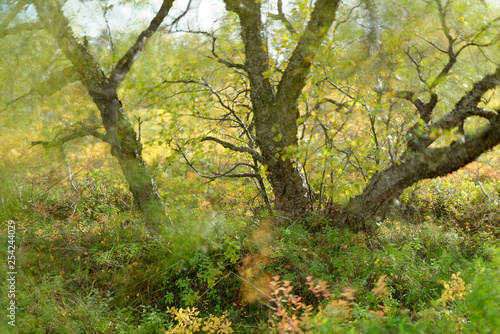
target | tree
[
  {"x": 275, "y": 108},
  {"x": 425, "y": 155},
  {"x": 282, "y": 101},
  {"x": 374, "y": 96},
  {"x": 119, "y": 132}
]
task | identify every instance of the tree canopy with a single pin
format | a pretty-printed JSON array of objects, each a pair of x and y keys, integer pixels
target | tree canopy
[
  {"x": 329, "y": 106},
  {"x": 161, "y": 174}
]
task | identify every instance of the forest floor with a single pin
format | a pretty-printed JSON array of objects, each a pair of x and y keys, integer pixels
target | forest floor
[{"x": 85, "y": 263}]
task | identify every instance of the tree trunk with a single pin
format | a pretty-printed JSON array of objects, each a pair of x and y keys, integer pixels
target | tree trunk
[
  {"x": 127, "y": 148},
  {"x": 125, "y": 145},
  {"x": 276, "y": 130},
  {"x": 275, "y": 108},
  {"x": 363, "y": 212},
  {"x": 421, "y": 162}
]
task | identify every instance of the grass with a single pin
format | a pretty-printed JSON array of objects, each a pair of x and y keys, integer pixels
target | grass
[{"x": 87, "y": 265}]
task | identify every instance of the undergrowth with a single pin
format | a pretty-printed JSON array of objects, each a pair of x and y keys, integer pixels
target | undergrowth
[{"x": 86, "y": 264}]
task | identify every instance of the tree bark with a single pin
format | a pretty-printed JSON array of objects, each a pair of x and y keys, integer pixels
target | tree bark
[
  {"x": 276, "y": 110},
  {"x": 419, "y": 162},
  {"x": 125, "y": 145}
]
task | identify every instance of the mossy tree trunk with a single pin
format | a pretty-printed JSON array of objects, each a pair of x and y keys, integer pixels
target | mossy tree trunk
[
  {"x": 275, "y": 108},
  {"x": 420, "y": 161},
  {"x": 120, "y": 134}
]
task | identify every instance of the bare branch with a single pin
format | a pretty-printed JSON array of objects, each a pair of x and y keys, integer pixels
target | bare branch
[
  {"x": 295, "y": 75},
  {"x": 235, "y": 148},
  {"x": 224, "y": 61},
  {"x": 433, "y": 45},
  {"x": 452, "y": 55},
  {"x": 57, "y": 142},
  {"x": 125, "y": 63},
  {"x": 104, "y": 13},
  {"x": 340, "y": 89},
  {"x": 424, "y": 109},
  {"x": 178, "y": 18},
  {"x": 347, "y": 18},
  {"x": 187, "y": 81},
  {"x": 236, "y": 119},
  {"x": 473, "y": 41},
  {"x": 281, "y": 16},
  {"x": 417, "y": 64},
  {"x": 339, "y": 105},
  {"x": 214, "y": 53},
  {"x": 17, "y": 99},
  {"x": 53, "y": 84},
  {"x": 11, "y": 16},
  {"x": 225, "y": 174}
]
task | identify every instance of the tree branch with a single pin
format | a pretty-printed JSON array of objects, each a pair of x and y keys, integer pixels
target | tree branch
[
  {"x": 281, "y": 16},
  {"x": 57, "y": 81},
  {"x": 223, "y": 61},
  {"x": 424, "y": 109},
  {"x": 53, "y": 84},
  {"x": 11, "y": 16},
  {"x": 295, "y": 75},
  {"x": 388, "y": 184},
  {"x": 468, "y": 103},
  {"x": 484, "y": 113},
  {"x": 416, "y": 63},
  {"x": 466, "y": 107},
  {"x": 17, "y": 99},
  {"x": 444, "y": 160},
  {"x": 236, "y": 119},
  {"x": 20, "y": 27},
  {"x": 225, "y": 174},
  {"x": 452, "y": 55},
  {"x": 125, "y": 63},
  {"x": 214, "y": 53},
  {"x": 233, "y": 147},
  {"x": 52, "y": 17},
  {"x": 56, "y": 142}
]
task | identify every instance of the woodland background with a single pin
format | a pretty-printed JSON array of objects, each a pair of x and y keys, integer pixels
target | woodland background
[{"x": 307, "y": 166}]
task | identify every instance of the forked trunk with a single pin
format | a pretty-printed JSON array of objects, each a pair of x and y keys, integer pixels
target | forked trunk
[
  {"x": 276, "y": 129},
  {"x": 366, "y": 211},
  {"x": 275, "y": 107},
  {"x": 125, "y": 145}
]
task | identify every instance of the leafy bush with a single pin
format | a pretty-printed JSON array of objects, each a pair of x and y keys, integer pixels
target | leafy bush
[
  {"x": 467, "y": 200},
  {"x": 88, "y": 263}
]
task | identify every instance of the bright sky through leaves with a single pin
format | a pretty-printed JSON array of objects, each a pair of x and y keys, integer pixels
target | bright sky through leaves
[{"x": 202, "y": 15}]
